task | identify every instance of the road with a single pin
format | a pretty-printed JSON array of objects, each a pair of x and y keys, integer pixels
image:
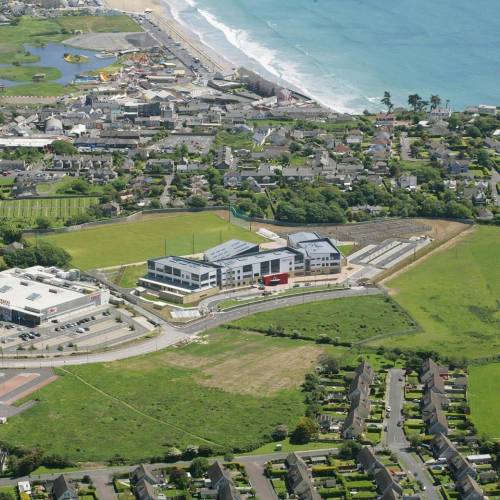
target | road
[
  {"x": 170, "y": 335},
  {"x": 254, "y": 465},
  {"x": 404, "y": 142},
  {"x": 494, "y": 181},
  {"x": 165, "y": 196},
  {"x": 395, "y": 438}
]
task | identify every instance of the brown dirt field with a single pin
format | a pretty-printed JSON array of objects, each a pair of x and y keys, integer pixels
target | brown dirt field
[
  {"x": 262, "y": 374},
  {"x": 15, "y": 382}
]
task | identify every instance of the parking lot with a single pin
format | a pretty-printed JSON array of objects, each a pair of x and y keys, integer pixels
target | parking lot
[
  {"x": 88, "y": 331},
  {"x": 17, "y": 384}
]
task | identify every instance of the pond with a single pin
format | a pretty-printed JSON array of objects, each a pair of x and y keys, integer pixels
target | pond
[{"x": 52, "y": 55}]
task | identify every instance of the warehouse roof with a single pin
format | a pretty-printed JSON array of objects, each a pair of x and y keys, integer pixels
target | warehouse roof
[{"x": 21, "y": 293}]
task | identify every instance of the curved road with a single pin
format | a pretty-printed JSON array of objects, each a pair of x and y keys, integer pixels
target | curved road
[{"x": 171, "y": 335}]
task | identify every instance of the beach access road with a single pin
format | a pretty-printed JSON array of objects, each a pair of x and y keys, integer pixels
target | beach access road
[{"x": 170, "y": 335}]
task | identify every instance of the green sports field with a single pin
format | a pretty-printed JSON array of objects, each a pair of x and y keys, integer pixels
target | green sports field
[
  {"x": 483, "y": 398},
  {"x": 454, "y": 295},
  {"x": 53, "y": 208},
  {"x": 125, "y": 243}
]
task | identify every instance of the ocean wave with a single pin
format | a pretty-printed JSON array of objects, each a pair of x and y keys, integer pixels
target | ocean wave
[{"x": 274, "y": 63}]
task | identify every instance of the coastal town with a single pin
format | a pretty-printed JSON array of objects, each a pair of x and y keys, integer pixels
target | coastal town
[{"x": 213, "y": 286}]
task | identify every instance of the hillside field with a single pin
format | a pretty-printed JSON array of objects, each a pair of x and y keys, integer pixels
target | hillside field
[
  {"x": 128, "y": 242},
  {"x": 484, "y": 381},
  {"x": 455, "y": 296}
]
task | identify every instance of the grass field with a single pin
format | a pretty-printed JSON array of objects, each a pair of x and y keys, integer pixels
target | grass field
[
  {"x": 124, "y": 243},
  {"x": 228, "y": 390},
  {"x": 350, "y": 319},
  {"x": 38, "y": 89},
  {"x": 131, "y": 274},
  {"x": 26, "y": 73},
  {"x": 54, "y": 208},
  {"x": 484, "y": 381},
  {"x": 454, "y": 295}
]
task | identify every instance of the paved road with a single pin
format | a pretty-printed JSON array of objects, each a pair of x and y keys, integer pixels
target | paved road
[
  {"x": 495, "y": 179},
  {"x": 405, "y": 147},
  {"x": 396, "y": 439},
  {"x": 171, "y": 335},
  {"x": 104, "y": 488},
  {"x": 165, "y": 196},
  {"x": 101, "y": 478}
]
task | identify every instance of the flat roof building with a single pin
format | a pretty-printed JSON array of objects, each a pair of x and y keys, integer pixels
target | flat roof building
[{"x": 30, "y": 300}]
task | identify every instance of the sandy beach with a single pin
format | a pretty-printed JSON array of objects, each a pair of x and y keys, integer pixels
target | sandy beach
[{"x": 162, "y": 16}]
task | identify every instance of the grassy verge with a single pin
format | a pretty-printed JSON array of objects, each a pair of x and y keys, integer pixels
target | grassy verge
[
  {"x": 26, "y": 73},
  {"x": 38, "y": 89}
]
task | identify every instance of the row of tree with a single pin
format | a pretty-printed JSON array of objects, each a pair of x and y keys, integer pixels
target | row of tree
[{"x": 416, "y": 102}]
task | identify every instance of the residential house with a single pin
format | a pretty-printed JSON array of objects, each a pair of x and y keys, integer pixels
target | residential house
[
  {"x": 225, "y": 158},
  {"x": 469, "y": 489},
  {"x": 299, "y": 478},
  {"x": 437, "y": 423},
  {"x": 63, "y": 490},
  {"x": 354, "y": 425},
  {"x": 408, "y": 182},
  {"x": 354, "y": 138}
]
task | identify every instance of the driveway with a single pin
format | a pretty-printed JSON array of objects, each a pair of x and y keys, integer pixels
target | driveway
[
  {"x": 104, "y": 487},
  {"x": 395, "y": 438}
]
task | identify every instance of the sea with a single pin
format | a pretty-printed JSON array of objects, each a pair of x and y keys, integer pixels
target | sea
[{"x": 346, "y": 53}]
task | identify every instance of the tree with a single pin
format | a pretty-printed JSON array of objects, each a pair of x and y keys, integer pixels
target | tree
[
  {"x": 483, "y": 158},
  {"x": 280, "y": 432},
  {"x": 349, "y": 450},
  {"x": 197, "y": 201},
  {"x": 330, "y": 364},
  {"x": 415, "y": 440},
  {"x": 414, "y": 101},
  {"x": 179, "y": 478},
  {"x": 63, "y": 148},
  {"x": 198, "y": 466},
  {"x": 43, "y": 254},
  {"x": 387, "y": 101},
  {"x": 43, "y": 222},
  {"x": 306, "y": 429},
  {"x": 435, "y": 101}
]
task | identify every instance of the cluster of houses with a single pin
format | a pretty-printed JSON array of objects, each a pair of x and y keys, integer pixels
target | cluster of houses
[
  {"x": 462, "y": 468},
  {"x": 61, "y": 488},
  {"x": 359, "y": 397},
  {"x": 216, "y": 484},
  {"x": 387, "y": 485}
]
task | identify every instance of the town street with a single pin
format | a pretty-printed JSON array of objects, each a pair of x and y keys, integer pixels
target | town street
[
  {"x": 396, "y": 440},
  {"x": 170, "y": 335}
]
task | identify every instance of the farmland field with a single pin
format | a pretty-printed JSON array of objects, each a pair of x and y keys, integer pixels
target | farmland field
[
  {"x": 484, "y": 381},
  {"x": 53, "y": 208},
  {"x": 454, "y": 295},
  {"x": 350, "y": 319},
  {"x": 129, "y": 242},
  {"x": 197, "y": 394}
]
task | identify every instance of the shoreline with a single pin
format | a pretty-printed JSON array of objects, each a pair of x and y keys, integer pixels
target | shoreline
[{"x": 163, "y": 17}]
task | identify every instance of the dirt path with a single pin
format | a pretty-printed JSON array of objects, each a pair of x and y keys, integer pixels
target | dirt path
[
  {"x": 135, "y": 410},
  {"x": 441, "y": 248}
]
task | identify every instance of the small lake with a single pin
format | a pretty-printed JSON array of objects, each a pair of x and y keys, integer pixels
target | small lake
[{"x": 52, "y": 55}]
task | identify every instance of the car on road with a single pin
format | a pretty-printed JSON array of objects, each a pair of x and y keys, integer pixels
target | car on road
[
  {"x": 80, "y": 330},
  {"x": 388, "y": 409}
]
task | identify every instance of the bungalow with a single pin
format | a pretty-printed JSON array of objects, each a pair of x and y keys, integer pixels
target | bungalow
[
  {"x": 456, "y": 167},
  {"x": 408, "y": 182}
]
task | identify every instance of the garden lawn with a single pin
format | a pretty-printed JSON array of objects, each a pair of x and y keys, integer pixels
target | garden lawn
[
  {"x": 483, "y": 398},
  {"x": 454, "y": 295},
  {"x": 350, "y": 319},
  {"x": 129, "y": 242},
  {"x": 197, "y": 394}
]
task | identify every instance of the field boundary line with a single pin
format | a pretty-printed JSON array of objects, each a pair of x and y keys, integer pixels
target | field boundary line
[{"x": 134, "y": 409}]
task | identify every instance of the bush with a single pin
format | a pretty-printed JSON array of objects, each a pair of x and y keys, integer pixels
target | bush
[{"x": 280, "y": 432}]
